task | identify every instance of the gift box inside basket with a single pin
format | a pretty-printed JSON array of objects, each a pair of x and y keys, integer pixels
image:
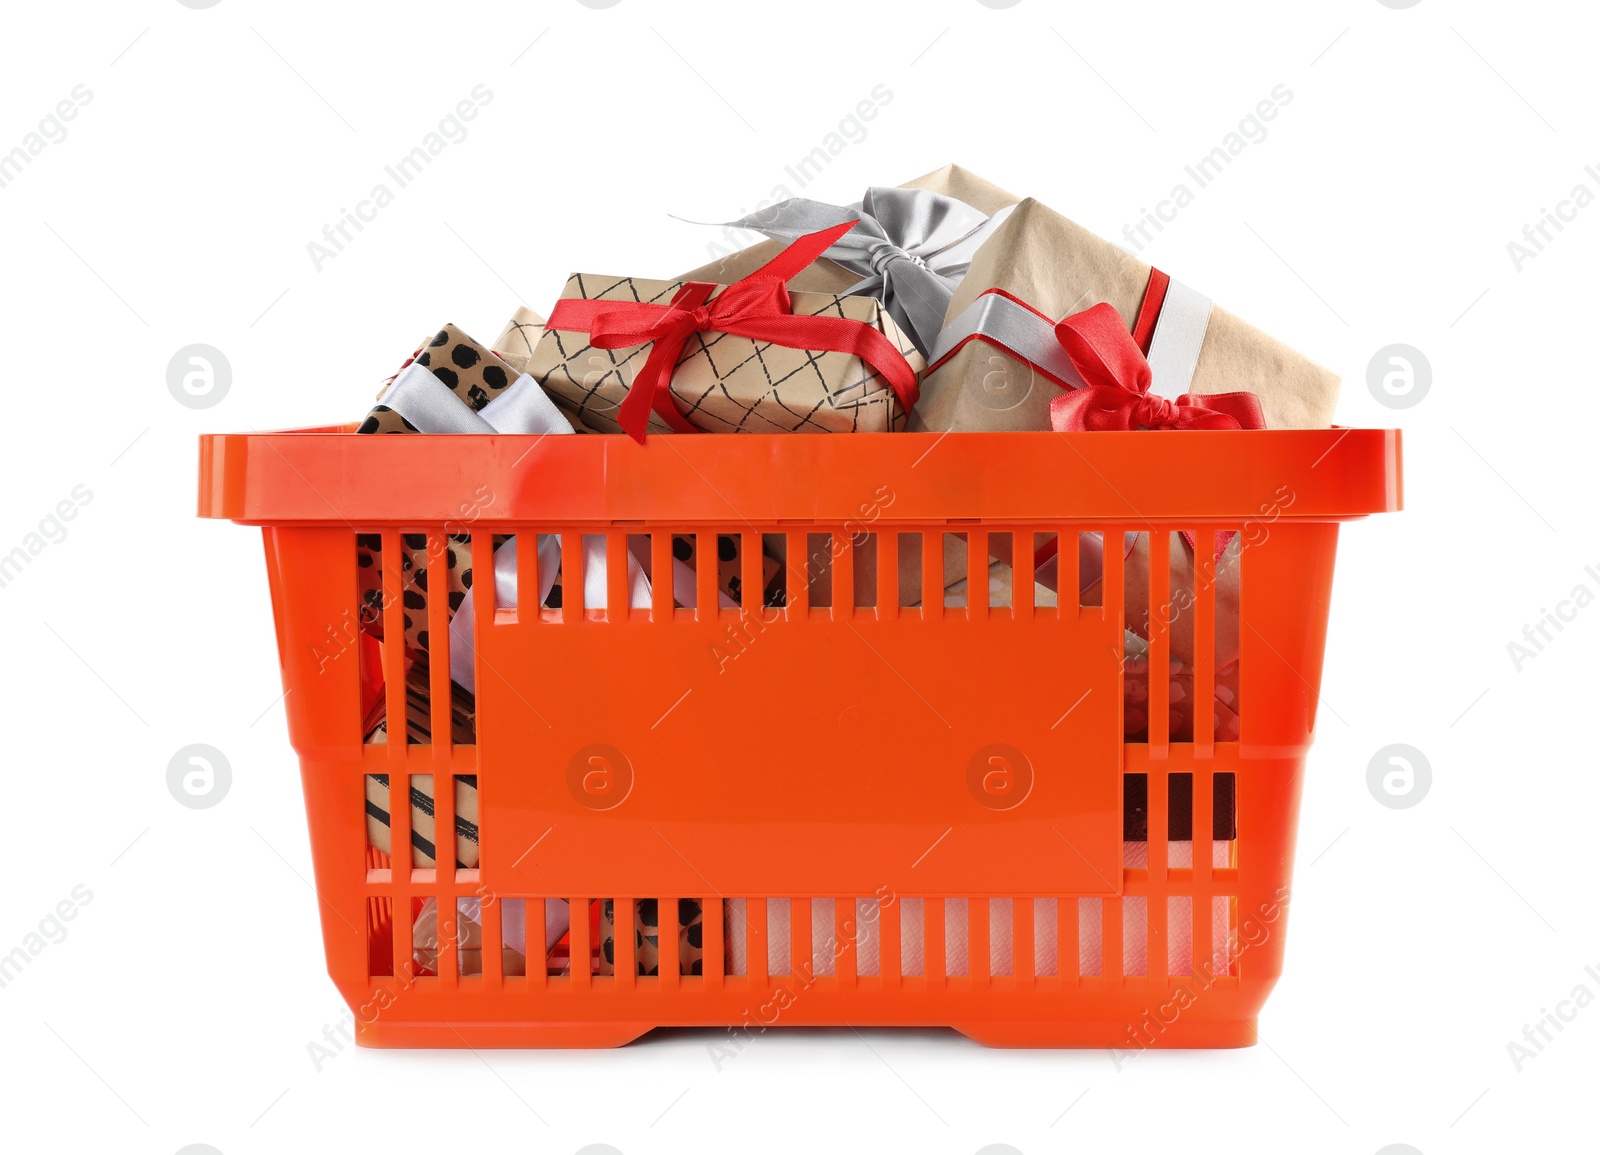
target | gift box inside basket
[{"x": 938, "y": 643}]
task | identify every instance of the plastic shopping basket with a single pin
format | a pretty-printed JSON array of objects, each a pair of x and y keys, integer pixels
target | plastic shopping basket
[{"x": 980, "y": 810}]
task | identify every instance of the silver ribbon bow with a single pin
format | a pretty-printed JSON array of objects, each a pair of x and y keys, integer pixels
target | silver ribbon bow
[{"x": 910, "y": 249}]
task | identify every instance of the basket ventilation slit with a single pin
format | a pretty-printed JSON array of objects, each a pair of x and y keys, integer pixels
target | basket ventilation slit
[
  {"x": 864, "y": 566},
  {"x": 891, "y": 943},
  {"x": 956, "y": 592},
  {"x": 843, "y": 593},
  {"x": 1047, "y": 943},
  {"x": 1157, "y": 627},
  {"x": 1006, "y": 585},
  {"x": 730, "y": 582},
  {"x": 908, "y": 569},
  {"x": 620, "y": 570},
  {"x": 1086, "y": 563},
  {"x": 1046, "y": 583},
  {"x": 775, "y": 593},
  {"x": 752, "y": 580},
  {"x": 1229, "y": 709},
  {"x": 819, "y": 569},
  {"x": 800, "y": 939},
  {"x": 1089, "y": 937},
  {"x": 869, "y": 937},
  {"x": 1135, "y": 936},
  {"x": 670, "y": 581},
  {"x": 845, "y": 925}
]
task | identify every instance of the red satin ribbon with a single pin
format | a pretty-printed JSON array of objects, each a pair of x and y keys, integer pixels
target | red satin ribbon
[
  {"x": 1116, "y": 396},
  {"x": 1116, "y": 393},
  {"x": 757, "y": 307},
  {"x": 1106, "y": 407}
]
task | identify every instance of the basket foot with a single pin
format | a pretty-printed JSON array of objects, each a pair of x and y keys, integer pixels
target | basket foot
[
  {"x": 479, "y": 1035},
  {"x": 1109, "y": 1035}
]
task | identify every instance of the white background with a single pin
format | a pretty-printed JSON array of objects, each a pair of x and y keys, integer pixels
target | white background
[{"x": 217, "y": 143}]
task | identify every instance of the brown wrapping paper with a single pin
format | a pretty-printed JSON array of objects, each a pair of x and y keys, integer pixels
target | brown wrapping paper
[
  {"x": 647, "y": 937},
  {"x": 723, "y": 383},
  {"x": 1059, "y": 267},
  {"x": 422, "y": 832}
]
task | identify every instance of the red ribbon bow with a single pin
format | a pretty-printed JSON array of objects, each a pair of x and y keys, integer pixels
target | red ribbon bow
[
  {"x": 757, "y": 307},
  {"x": 1116, "y": 393},
  {"x": 1116, "y": 380}
]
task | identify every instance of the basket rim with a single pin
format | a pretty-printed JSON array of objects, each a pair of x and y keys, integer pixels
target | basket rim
[{"x": 329, "y": 475}]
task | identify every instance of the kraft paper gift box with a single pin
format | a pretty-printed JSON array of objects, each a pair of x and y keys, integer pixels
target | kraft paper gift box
[
  {"x": 1055, "y": 268},
  {"x": 717, "y": 381},
  {"x": 515, "y": 343},
  {"x": 458, "y": 392}
]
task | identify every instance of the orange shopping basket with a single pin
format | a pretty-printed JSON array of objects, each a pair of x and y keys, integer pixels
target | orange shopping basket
[{"x": 832, "y": 791}]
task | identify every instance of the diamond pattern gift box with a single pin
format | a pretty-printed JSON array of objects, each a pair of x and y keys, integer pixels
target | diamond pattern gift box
[{"x": 723, "y": 383}]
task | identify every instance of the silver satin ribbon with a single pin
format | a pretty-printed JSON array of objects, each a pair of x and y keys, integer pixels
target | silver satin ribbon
[
  {"x": 1174, "y": 346},
  {"x": 1014, "y": 327},
  {"x": 910, "y": 249}
]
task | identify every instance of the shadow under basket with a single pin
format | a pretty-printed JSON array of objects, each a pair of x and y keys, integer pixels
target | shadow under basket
[{"x": 812, "y": 777}]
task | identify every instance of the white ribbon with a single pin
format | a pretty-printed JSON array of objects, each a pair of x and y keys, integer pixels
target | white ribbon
[
  {"x": 1175, "y": 344},
  {"x": 911, "y": 247},
  {"x": 522, "y": 408}
]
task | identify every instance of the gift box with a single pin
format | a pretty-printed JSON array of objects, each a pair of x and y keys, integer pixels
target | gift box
[
  {"x": 647, "y": 937},
  {"x": 422, "y": 831},
  {"x": 627, "y": 354},
  {"x": 475, "y": 377},
  {"x": 997, "y": 365},
  {"x": 419, "y": 718},
  {"x": 419, "y": 723},
  {"x": 472, "y": 372},
  {"x": 1007, "y": 360},
  {"x": 515, "y": 343},
  {"x": 422, "y": 398}
]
